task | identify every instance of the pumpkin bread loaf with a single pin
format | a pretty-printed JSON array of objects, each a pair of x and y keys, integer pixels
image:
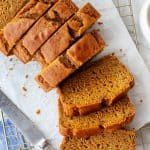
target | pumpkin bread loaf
[
  {"x": 109, "y": 119},
  {"x": 104, "y": 82},
  {"x": 25, "y": 18},
  {"x": 118, "y": 140},
  {"x": 83, "y": 50},
  {"x": 67, "y": 34},
  {"x": 43, "y": 29},
  {"x": 9, "y": 9}
]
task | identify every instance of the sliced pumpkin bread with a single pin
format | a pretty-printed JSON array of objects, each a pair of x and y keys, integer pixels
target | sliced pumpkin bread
[
  {"x": 109, "y": 119},
  {"x": 67, "y": 34},
  {"x": 24, "y": 19},
  {"x": 104, "y": 82},
  {"x": 118, "y": 140},
  {"x": 83, "y": 50},
  {"x": 43, "y": 29}
]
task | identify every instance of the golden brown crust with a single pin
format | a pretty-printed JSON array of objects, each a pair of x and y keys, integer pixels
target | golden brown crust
[
  {"x": 93, "y": 131},
  {"x": 15, "y": 29},
  {"x": 68, "y": 33},
  {"x": 59, "y": 70},
  {"x": 56, "y": 44},
  {"x": 42, "y": 83},
  {"x": 46, "y": 26},
  {"x": 74, "y": 109},
  {"x": 40, "y": 58},
  {"x": 84, "y": 49},
  {"x": 56, "y": 72}
]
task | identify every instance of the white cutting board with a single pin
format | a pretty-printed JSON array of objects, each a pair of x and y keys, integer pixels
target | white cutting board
[{"x": 13, "y": 76}]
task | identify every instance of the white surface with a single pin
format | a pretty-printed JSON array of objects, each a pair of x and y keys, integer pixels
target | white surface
[{"x": 116, "y": 37}]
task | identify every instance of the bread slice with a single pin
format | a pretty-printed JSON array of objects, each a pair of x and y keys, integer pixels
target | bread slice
[
  {"x": 8, "y": 10},
  {"x": 55, "y": 73},
  {"x": 43, "y": 29},
  {"x": 25, "y": 18},
  {"x": 104, "y": 82},
  {"x": 118, "y": 140},
  {"x": 67, "y": 34},
  {"x": 88, "y": 46},
  {"x": 107, "y": 119}
]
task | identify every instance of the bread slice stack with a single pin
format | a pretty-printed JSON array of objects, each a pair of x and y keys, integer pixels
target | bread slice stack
[
  {"x": 93, "y": 102},
  {"x": 53, "y": 33}
]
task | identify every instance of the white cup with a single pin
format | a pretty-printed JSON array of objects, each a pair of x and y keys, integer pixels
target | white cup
[{"x": 145, "y": 20}]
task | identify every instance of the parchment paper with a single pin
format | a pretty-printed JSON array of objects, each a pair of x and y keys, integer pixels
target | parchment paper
[{"x": 17, "y": 79}]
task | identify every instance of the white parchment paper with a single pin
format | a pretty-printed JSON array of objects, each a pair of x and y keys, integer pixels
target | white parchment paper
[{"x": 15, "y": 76}]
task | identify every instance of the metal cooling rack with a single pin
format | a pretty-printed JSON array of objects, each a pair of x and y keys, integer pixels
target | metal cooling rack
[
  {"x": 126, "y": 12},
  {"x": 12, "y": 139}
]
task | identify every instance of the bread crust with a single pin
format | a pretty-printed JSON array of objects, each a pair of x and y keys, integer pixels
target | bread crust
[
  {"x": 77, "y": 52},
  {"x": 74, "y": 110},
  {"x": 60, "y": 68},
  {"x": 68, "y": 33},
  {"x": 15, "y": 29},
  {"x": 45, "y": 27},
  {"x": 53, "y": 75},
  {"x": 93, "y": 131}
]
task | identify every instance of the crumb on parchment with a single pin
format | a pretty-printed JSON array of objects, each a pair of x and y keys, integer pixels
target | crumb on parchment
[
  {"x": 24, "y": 88},
  {"x": 100, "y": 23},
  {"x": 38, "y": 111},
  {"x": 11, "y": 68},
  {"x": 27, "y": 76},
  {"x": 11, "y": 59}
]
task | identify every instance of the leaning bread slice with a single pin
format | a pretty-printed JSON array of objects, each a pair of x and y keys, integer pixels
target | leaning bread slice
[
  {"x": 118, "y": 140},
  {"x": 43, "y": 29},
  {"x": 25, "y": 18},
  {"x": 67, "y": 34},
  {"x": 108, "y": 119},
  {"x": 83, "y": 50},
  {"x": 104, "y": 82}
]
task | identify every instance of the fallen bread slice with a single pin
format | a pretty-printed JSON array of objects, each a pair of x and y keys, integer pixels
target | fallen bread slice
[
  {"x": 104, "y": 82},
  {"x": 9, "y": 9},
  {"x": 83, "y": 50},
  {"x": 67, "y": 34},
  {"x": 43, "y": 29},
  {"x": 25, "y": 18},
  {"x": 118, "y": 140},
  {"x": 108, "y": 119}
]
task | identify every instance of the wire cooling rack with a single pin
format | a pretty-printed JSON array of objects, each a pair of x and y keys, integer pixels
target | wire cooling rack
[
  {"x": 126, "y": 12},
  {"x": 12, "y": 139}
]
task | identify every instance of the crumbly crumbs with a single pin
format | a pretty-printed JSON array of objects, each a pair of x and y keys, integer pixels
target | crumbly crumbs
[
  {"x": 141, "y": 100},
  {"x": 38, "y": 111},
  {"x": 100, "y": 23},
  {"x": 24, "y": 88},
  {"x": 11, "y": 68},
  {"x": 27, "y": 76},
  {"x": 11, "y": 59}
]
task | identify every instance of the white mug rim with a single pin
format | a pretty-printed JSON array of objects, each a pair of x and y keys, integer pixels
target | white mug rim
[{"x": 145, "y": 21}]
